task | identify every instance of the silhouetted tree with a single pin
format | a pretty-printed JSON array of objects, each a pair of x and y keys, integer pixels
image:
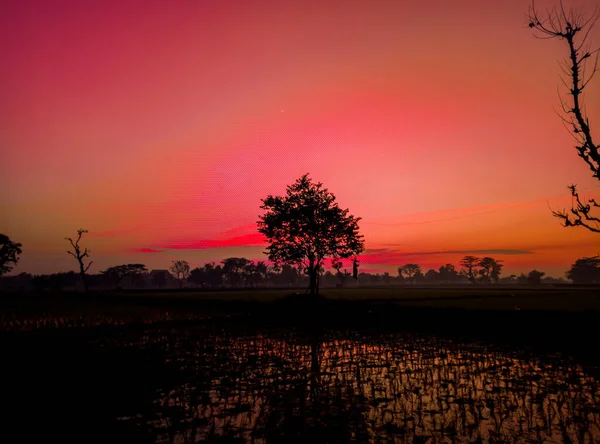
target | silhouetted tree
[
  {"x": 214, "y": 275},
  {"x": 432, "y": 275},
  {"x": 209, "y": 275},
  {"x": 535, "y": 277},
  {"x": 115, "y": 274},
  {"x": 386, "y": 278},
  {"x": 469, "y": 266},
  {"x": 55, "y": 281},
  {"x": 512, "y": 279},
  {"x": 39, "y": 282},
  {"x": 288, "y": 276},
  {"x": 341, "y": 275},
  {"x": 68, "y": 279},
  {"x": 410, "y": 270},
  {"x": 306, "y": 226},
  {"x": 21, "y": 281},
  {"x": 181, "y": 271},
  {"x": 448, "y": 273},
  {"x": 197, "y": 276},
  {"x": 374, "y": 278},
  {"x": 522, "y": 279},
  {"x": 248, "y": 274},
  {"x": 9, "y": 254},
  {"x": 489, "y": 270},
  {"x": 135, "y": 271},
  {"x": 549, "y": 280},
  {"x": 261, "y": 271},
  {"x": 419, "y": 277},
  {"x": 585, "y": 271},
  {"x": 140, "y": 279},
  {"x": 255, "y": 273},
  {"x": 574, "y": 29},
  {"x": 77, "y": 254},
  {"x": 234, "y": 270},
  {"x": 159, "y": 278},
  {"x": 364, "y": 277}
]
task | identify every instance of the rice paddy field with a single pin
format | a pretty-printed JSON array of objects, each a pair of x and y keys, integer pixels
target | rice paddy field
[{"x": 378, "y": 365}]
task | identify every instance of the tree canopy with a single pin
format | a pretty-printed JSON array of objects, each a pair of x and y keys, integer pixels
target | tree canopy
[
  {"x": 9, "y": 254},
  {"x": 585, "y": 270},
  {"x": 485, "y": 270},
  {"x": 117, "y": 273},
  {"x": 306, "y": 226}
]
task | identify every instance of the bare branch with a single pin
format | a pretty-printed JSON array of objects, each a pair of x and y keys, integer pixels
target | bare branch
[
  {"x": 80, "y": 256},
  {"x": 580, "y": 213},
  {"x": 574, "y": 28}
]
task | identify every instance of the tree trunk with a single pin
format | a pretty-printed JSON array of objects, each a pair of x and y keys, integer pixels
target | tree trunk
[
  {"x": 314, "y": 283},
  {"x": 82, "y": 272}
]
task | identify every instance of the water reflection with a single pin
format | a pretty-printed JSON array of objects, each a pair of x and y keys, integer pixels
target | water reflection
[{"x": 343, "y": 387}]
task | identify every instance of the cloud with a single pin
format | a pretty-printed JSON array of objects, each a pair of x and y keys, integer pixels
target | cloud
[
  {"x": 254, "y": 239},
  {"x": 449, "y": 214},
  {"x": 117, "y": 232},
  {"x": 490, "y": 251},
  {"x": 145, "y": 250},
  {"x": 376, "y": 250},
  {"x": 380, "y": 256},
  {"x": 240, "y": 231}
]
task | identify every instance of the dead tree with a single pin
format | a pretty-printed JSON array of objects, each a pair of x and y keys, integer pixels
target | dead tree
[
  {"x": 573, "y": 27},
  {"x": 77, "y": 254}
]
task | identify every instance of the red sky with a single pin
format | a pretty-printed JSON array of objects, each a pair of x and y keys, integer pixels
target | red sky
[{"x": 159, "y": 126}]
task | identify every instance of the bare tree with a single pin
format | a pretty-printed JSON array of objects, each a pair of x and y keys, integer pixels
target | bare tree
[
  {"x": 574, "y": 28},
  {"x": 77, "y": 254}
]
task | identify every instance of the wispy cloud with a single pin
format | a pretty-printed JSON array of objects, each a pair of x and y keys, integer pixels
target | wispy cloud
[
  {"x": 146, "y": 250},
  {"x": 380, "y": 256},
  {"x": 117, "y": 232},
  {"x": 430, "y": 217},
  {"x": 490, "y": 251},
  {"x": 254, "y": 239}
]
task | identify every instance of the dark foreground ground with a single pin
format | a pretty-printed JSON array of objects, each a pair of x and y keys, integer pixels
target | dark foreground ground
[{"x": 118, "y": 368}]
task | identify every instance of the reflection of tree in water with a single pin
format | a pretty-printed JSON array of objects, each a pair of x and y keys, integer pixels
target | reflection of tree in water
[
  {"x": 320, "y": 408},
  {"x": 283, "y": 387}
]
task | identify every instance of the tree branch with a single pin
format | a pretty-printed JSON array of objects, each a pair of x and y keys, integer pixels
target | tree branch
[
  {"x": 567, "y": 26},
  {"x": 580, "y": 213}
]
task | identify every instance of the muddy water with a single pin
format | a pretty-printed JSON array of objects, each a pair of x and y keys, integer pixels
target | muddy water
[{"x": 341, "y": 386}]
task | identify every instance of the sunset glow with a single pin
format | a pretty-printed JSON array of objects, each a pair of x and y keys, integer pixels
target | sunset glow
[{"x": 160, "y": 126}]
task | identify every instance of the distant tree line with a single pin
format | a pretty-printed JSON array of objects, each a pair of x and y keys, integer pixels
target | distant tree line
[{"x": 240, "y": 273}]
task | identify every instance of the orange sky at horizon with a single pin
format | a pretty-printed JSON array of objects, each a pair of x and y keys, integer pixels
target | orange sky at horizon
[{"x": 160, "y": 127}]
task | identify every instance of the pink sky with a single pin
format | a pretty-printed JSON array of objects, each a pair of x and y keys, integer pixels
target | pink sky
[{"x": 159, "y": 126}]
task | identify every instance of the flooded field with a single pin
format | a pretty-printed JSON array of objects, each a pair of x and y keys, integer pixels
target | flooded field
[
  {"x": 341, "y": 386},
  {"x": 182, "y": 374}
]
